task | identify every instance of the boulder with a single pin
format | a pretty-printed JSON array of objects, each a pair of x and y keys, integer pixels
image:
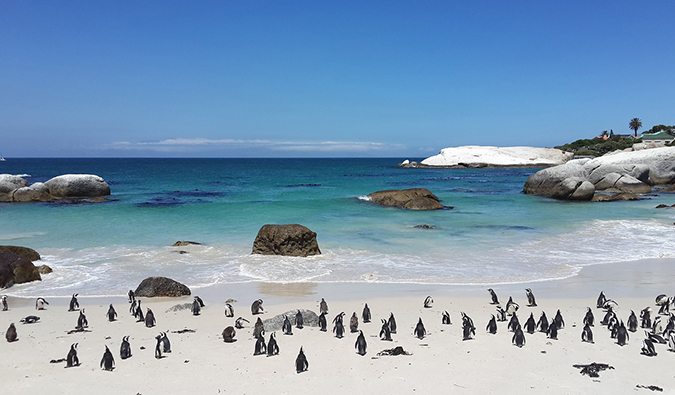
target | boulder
[
  {"x": 37, "y": 192},
  {"x": 474, "y": 156},
  {"x": 161, "y": 286},
  {"x": 44, "y": 269},
  {"x": 289, "y": 240},
  {"x": 185, "y": 243},
  {"x": 309, "y": 318},
  {"x": 8, "y": 184},
  {"x": 16, "y": 270},
  {"x": 612, "y": 198},
  {"x": 77, "y": 186},
  {"x": 411, "y": 199},
  {"x": 23, "y": 252}
]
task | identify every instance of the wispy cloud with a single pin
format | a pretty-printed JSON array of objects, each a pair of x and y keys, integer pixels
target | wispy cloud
[{"x": 198, "y": 144}]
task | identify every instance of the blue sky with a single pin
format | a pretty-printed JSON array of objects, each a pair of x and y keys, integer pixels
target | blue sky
[{"x": 319, "y": 78}]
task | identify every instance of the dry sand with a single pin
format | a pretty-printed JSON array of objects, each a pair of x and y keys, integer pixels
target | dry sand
[{"x": 440, "y": 363}]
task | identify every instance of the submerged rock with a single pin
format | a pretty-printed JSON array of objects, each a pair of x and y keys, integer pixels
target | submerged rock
[
  {"x": 612, "y": 198},
  {"x": 15, "y": 269},
  {"x": 289, "y": 240},
  {"x": 411, "y": 199},
  {"x": 185, "y": 243},
  {"x": 161, "y": 286}
]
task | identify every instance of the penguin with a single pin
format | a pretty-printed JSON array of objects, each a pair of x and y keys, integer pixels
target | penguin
[
  {"x": 149, "y": 319},
  {"x": 366, "y": 314},
  {"x": 31, "y": 319},
  {"x": 632, "y": 322},
  {"x": 645, "y": 317},
  {"x": 4, "y": 303},
  {"x": 420, "y": 332},
  {"x": 112, "y": 314},
  {"x": 491, "y": 327},
  {"x": 501, "y": 314},
  {"x": 552, "y": 331},
  {"x": 671, "y": 342},
  {"x": 229, "y": 310},
  {"x": 158, "y": 349},
  {"x": 139, "y": 313},
  {"x": 354, "y": 323},
  {"x": 665, "y": 308},
  {"x": 256, "y": 307},
  {"x": 657, "y": 326},
  {"x": 661, "y": 299},
  {"x": 239, "y": 322},
  {"x": 468, "y": 328},
  {"x": 131, "y": 296},
  {"x": 286, "y": 327},
  {"x": 542, "y": 324},
  {"x": 322, "y": 322},
  {"x": 301, "y": 363},
  {"x": 74, "y": 304},
  {"x": 339, "y": 328},
  {"x": 200, "y": 301},
  {"x": 511, "y": 306},
  {"x": 518, "y": 337},
  {"x": 132, "y": 307},
  {"x": 513, "y": 323},
  {"x": 601, "y": 300},
  {"x": 622, "y": 335},
  {"x": 40, "y": 303},
  {"x": 610, "y": 303},
  {"x": 670, "y": 326},
  {"x": 10, "y": 335},
  {"x": 323, "y": 306},
  {"x": 613, "y": 328},
  {"x": 272, "y": 346},
  {"x": 493, "y": 295},
  {"x": 385, "y": 333},
  {"x": 531, "y": 324},
  {"x": 531, "y": 302},
  {"x": 82, "y": 321},
  {"x": 392, "y": 323},
  {"x": 108, "y": 362},
  {"x": 125, "y": 348},
  {"x": 258, "y": 328},
  {"x": 446, "y": 318},
  {"x": 558, "y": 319},
  {"x": 360, "y": 344},
  {"x": 587, "y": 334},
  {"x": 589, "y": 319},
  {"x": 299, "y": 322},
  {"x": 428, "y": 302},
  {"x": 229, "y": 333},
  {"x": 166, "y": 343},
  {"x": 71, "y": 359},
  {"x": 648, "y": 348},
  {"x": 608, "y": 317},
  {"x": 656, "y": 338},
  {"x": 196, "y": 307}
]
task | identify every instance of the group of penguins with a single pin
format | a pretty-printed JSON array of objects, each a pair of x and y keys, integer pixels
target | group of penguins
[{"x": 656, "y": 332}]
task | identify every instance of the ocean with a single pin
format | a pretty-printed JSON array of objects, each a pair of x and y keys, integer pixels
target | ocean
[{"x": 491, "y": 232}]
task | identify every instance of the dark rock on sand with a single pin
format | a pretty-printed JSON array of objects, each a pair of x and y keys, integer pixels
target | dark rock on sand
[
  {"x": 16, "y": 270},
  {"x": 23, "y": 252},
  {"x": 613, "y": 198},
  {"x": 309, "y": 318},
  {"x": 289, "y": 240},
  {"x": 411, "y": 199},
  {"x": 161, "y": 286}
]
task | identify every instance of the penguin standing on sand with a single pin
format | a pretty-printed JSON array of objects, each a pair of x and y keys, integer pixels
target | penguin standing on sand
[
  {"x": 323, "y": 306},
  {"x": 392, "y": 323},
  {"x": 513, "y": 323},
  {"x": 196, "y": 307},
  {"x": 71, "y": 359},
  {"x": 493, "y": 296},
  {"x": 542, "y": 324},
  {"x": 518, "y": 337},
  {"x": 501, "y": 314},
  {"x": 420, "y": 332},
  {"x": 645, "y": 317},
  {"x": 299, "y": 321},
  {"x": 200, "y": 301},
  {"x": 229, "y": 333},
  {"x": 112, "y": 314},
  {"x": 82, "y": 321},
  {"x": 158, "y": 349},
  {"x": 354, "y": 323},
  {"x": 258, "y": 328},
  {"x": 125, "y": 348},
  {"x": 360, "y": 344},
  {"x": 552, "y": 331},
  {"x": 256, "y": 307},
  {"x": 40, "y": 303},
  {"x": 648, "y": 348},
  {"x": 10, "y": 335},
  {"x": 428, "y": 302},
  {"x": 531, "y": 324},
  {"x": 260, "y": 348},
  {"x": 491, "y": 327},
  {"x": 622, "y": 335},
  {"x": 229, "y": 310},
  {"x": 149, "y": 319},
  {"x": 339, "y": 328},
  {"x": 531, "y": 302},
  {"x": 301, "y": 363},
  {"x": 166, "y": 343},
  {"x": 366, "y": 314},
  {"x": 286, "y": 326},
  {"x": 446, "y": 318},
  {"x": 322, "y": 322},
  {"x": 511, "y": 306},
  {"x": 632, "y": 322},
  {"x": 558, "y": 319},
  {"x": 132, "y": 296},
  {"x": 138, "y": 313},
  {"x": 601, "y": 300},
  {"x": 385, "y": 333},
  {"x": 108, "y": 362},
  {"x": 132, "y": 307},
  {"x": 74, "y": 304},
  {"x": 609, "y": 315},
  {"x": 4, "y": 303},
  {"x": 272, "y": 346},
  {"x": 589, "y": 319},
  {"x": 587, "y": 334},
  {"x": 468, "y": 328}
]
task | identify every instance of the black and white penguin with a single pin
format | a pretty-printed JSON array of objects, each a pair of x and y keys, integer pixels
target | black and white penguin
[
  {"x": 552, "y": 331},
  {"x": 239, "y": 322},
  {"x": 366, "y": 314},
  {"x": 655, "y": 337},
  {"x": 339, "y": 328},
  {"x": 258, "y": 328},
  {"x": 196, "y": 308},
  {"x": 4, "y": 303},
  {"x": 446, "y": 318},
  {"x": 608, "y": 317},
  {"x": 501, "y": 314},
  {"x": 587, "y": 334},
  {"x": 468, "y": 328},
  {"x": 74, "y": 304},
  {"x": 518, "y": 337},
  {"x": 286, "y": 326},
  {"x": 40, "y": 303},
  {"x": 601, "y": 300},
  {"x": 322, "y": 322},
  {"x": 301, "y": 363},
  {"x": 428, "y": 302},
  {"x": 589, "y": 318},
  {"x": 657, "y": 326},
  {"x": 229, "y": 310},
  {"x": 360, "y": 344},
  {"x": 125, "y": 348},
  {"x": 558, "y": 320},
  {"x": 354, "y": 323},
  {"x": 133, "y": 306},
  {"x": 131, "y": 296},
  {"x": 622, "y": 335},
  {"x": 112, "y": 314},
  {"x": 150, "y": 319},
  {"x": 648, "y": 348},
  {"x": 511, "y": 306},
  {"x": 420, "y": 332},
  {"x": 229, "y": 333},
  {"x": 323, "y": 306},
  {"x": 385, "y": 333},
  {"x": 82, "y": 321},
  {"x": 260, "y": 348},
  {"x": 491, "y": 327},
  {"x": 31, "y": 319},
  {"x": 256, "y": 307},
  {"x": 299, "y": 321},
  {"x": 671, "y": 342},
  {"x": 542, "y": 324},
  {"x": 632, "y": 322},
  {"x": 272, "y": 346},
  {"x": 531, "y": 302},
  {"x": 158, "y": 347},
  {"x": 392, "y": 323},
  {"x": 513, "y": 323},
  {"x": 531, "y": 324},
  {"x": 11, "y": 335},
  {"x": 166, "y": 343},
  {"x": 200, "y": 301},
  {"x": 493, "y": 296},
  {"x": 71, "y": 359},
  {"x": 107, "y": 362}
]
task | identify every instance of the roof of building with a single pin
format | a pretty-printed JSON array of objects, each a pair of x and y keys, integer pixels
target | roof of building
[{"x": 657, "y": 136}]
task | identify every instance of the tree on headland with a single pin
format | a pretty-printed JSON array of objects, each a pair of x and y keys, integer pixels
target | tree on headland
[{"x": 635, "y": 124}]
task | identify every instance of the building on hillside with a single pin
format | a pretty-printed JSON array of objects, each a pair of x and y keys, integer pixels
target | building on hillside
[{"x": 658, "y": 138}]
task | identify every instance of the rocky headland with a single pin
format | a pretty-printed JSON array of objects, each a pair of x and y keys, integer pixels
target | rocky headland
[
  {"x": 473, "y": 156},
  {"x": 68, "y": 186}
]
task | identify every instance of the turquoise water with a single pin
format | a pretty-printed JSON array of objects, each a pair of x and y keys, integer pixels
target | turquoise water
[{"x": 493, "y": 233}]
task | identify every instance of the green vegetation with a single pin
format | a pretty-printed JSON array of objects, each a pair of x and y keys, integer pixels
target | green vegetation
[
  {"x": 598, "y": 147},
  {"x": 658, "y": 128}
]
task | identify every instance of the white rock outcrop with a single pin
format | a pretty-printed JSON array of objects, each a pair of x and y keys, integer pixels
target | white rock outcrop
[
  {"x": 70, "y": 186},
  {"x": 487, "y": 156}
]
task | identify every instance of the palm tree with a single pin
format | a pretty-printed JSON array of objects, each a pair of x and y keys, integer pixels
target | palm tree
[{"x": 635, "y": 124}]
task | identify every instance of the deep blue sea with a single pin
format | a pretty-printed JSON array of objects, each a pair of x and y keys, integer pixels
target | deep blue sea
[{"x": 493, "y": 234}]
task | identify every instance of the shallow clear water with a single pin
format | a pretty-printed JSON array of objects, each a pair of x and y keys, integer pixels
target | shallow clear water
[{"x": 493, "y": 233}]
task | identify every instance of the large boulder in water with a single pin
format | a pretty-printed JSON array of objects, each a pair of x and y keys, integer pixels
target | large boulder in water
[
  {"x": 15, "y": 269},
  {"x": 23, "y": 252},
  {"x": 411, "y": 199},
  {"x": 309, "y": 318},
  {"x": 289, "y": 240},
  {"x": 161, "y": 286},
  {"x": 8, "y": 184},
  {"x": 77, "y": 186}
]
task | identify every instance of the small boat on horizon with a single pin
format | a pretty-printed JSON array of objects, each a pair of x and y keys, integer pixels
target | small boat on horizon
[{"x": 2, "y": 158}]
